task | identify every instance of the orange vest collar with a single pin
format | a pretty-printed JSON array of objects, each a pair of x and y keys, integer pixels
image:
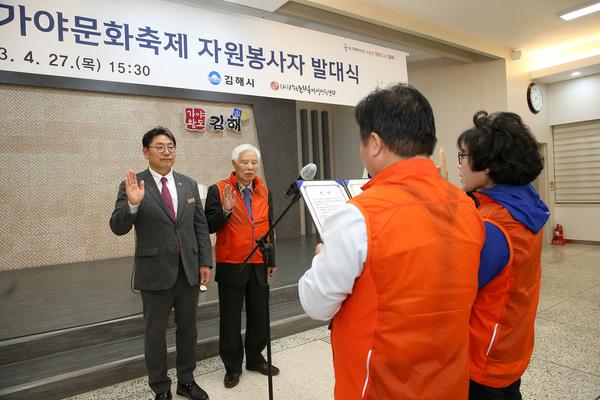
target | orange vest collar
[{"x": 402, "y": 169}]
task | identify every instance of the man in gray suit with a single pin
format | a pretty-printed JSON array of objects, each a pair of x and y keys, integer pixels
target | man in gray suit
[{"x": 172, "y": 257}]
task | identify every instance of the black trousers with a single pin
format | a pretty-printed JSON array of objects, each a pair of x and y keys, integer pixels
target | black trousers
[
  {"x": 231, "y": 300},
  {"x": 183, "y": 298},
  {"x": 481, "y": 392}
]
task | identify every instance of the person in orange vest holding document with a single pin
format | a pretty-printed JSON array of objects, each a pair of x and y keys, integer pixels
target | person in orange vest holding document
[
  {"x": 397, "y": 270},
  {"x": 499, "y": 158}
]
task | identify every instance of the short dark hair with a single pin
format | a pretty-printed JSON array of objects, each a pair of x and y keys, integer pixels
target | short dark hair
[
  {"x": 159, "y": 130},
  {"x": 502, "y": 143},
  {"x": 401, "y": 116}
]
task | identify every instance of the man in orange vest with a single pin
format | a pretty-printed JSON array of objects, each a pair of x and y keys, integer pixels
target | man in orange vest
[
  {"x": 499, "y": 158},
  {"x": 239, "y": 210},
  {"x": 397, "y": 270}
]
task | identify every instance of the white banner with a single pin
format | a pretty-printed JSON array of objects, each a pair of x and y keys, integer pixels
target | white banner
[{"x": 169, "y": 44}]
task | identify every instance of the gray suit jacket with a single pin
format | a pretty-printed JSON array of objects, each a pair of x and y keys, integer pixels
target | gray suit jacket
[{"x": 157, "y": 235}]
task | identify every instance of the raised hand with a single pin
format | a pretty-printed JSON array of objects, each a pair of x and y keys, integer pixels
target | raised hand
[
  {"x": 443, "y": 167},
  {"x": 133, "y": 189},
  {"x": 228, "y": 198},
  {"x": 318, "y": 248}
]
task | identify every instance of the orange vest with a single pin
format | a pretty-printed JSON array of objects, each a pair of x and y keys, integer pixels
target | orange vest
[
  {"x": 238, "y": 237},
  {"x": 403, "y": 332},
  {"x": 501, "y": 326}
]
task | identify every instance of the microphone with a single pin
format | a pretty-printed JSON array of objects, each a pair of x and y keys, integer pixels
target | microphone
[{"x": 307, "y": 173}]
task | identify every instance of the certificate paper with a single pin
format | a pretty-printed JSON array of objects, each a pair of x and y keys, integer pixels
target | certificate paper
[
  {"x": 322, "y": 199},
  {"x": 355, "y": 186}
]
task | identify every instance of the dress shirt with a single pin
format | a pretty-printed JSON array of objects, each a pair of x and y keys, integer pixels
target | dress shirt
[
  {"x": 328, "y": 282},
  {"x": 170, "y": 185}
]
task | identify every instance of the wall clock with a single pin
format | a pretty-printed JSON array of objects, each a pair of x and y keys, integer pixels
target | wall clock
[{"x": 535, "y": 98}]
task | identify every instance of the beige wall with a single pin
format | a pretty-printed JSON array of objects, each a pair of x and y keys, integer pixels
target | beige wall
[
  {"x": 580, "y": 221},
  {"x": 63, "y": 154},
  {"x": 576, "y": 100},
  {"x": 456, "y": 92}
]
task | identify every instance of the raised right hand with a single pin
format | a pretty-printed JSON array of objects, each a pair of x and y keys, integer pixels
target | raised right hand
[
  {"x": 318, "y": 248},
  {"x": 228, "y": 198},
  {"x": 443, "y": 167},
  {"x": 134, "y": 190}
]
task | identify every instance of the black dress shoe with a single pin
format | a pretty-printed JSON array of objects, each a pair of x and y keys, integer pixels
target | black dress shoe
[
  {"x": 163, "y": 396},
  {"x": 191, "y": 391},
  {"x": 263, "y": 368},
  {"x": 231, "y": 379}
]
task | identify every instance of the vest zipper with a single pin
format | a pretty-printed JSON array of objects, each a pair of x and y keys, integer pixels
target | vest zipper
[
  {"x": 368, "y": 370},
  {"x": 252, "y": 243},
  {"x": 252, "y": 224},
  {"x": 492, "y": 340}
]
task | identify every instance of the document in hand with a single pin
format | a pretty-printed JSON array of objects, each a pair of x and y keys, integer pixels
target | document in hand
[
  {"x": 354, "y": 186},
  {"x": 323, "y": 198}
]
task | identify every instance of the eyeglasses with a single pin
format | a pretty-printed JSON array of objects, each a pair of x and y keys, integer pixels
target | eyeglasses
[
  {"x": 161, "y": 149},
  {"x": 461, "y": 157}
]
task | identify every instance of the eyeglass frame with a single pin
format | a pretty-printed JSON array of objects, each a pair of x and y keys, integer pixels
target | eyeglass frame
[
  {"x": 461, "y": 157},
  {"x": 171, "y": 148}
]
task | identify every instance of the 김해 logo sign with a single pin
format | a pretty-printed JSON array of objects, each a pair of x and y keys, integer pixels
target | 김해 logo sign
[{"x": 197, "y": 120}]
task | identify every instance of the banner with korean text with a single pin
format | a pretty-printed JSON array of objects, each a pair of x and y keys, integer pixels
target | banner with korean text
[{"x": 161, "y": 43}]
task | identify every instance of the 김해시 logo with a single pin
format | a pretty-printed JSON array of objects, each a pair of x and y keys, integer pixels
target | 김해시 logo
[{"x": 214, "y": 77}]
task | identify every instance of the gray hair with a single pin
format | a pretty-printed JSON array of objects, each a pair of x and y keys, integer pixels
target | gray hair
[{"x": 235, "y": 154}]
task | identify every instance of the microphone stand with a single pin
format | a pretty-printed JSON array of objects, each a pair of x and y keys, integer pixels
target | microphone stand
[{"x": 266, "y": 248}]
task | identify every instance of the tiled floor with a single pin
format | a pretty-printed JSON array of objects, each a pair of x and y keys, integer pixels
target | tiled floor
[{"x": 565, "y": 364}]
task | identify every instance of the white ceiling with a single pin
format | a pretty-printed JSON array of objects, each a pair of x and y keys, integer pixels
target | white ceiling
[
  {"x": 267, "y": 5},
  {"x": 511, "y": 23}
]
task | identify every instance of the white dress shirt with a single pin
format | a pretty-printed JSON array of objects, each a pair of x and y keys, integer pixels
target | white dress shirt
[
  {"x": 328, "y": 282},
  {"x": 170, "y": 185}
]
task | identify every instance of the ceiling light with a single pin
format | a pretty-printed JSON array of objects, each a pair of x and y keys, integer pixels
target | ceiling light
[
  {"x": 576, "y": 73},
  {"x": 580, "y": 12}
]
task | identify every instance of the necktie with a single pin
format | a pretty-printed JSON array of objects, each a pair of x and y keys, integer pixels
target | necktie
[
  {"x": 167, "y": 197},
  {"x": 248, "y": 200}
]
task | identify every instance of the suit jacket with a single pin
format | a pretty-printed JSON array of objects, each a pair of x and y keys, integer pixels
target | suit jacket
[
  {"x": 232, "y": 274},
  {"x": 157, "y": 235}
]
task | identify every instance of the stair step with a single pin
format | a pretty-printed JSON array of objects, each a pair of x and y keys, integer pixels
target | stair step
[
  {"x": 63, "y": 374},
  {"x": 36, "y": 346}
]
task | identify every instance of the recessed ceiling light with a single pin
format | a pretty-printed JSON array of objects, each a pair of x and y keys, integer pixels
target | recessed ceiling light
[
  {"x": 575, "y": 73},
  {"x": 580, "y": 12}
]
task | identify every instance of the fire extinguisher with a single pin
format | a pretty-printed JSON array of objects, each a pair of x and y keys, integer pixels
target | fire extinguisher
[{"x": 558, "y": 238}]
